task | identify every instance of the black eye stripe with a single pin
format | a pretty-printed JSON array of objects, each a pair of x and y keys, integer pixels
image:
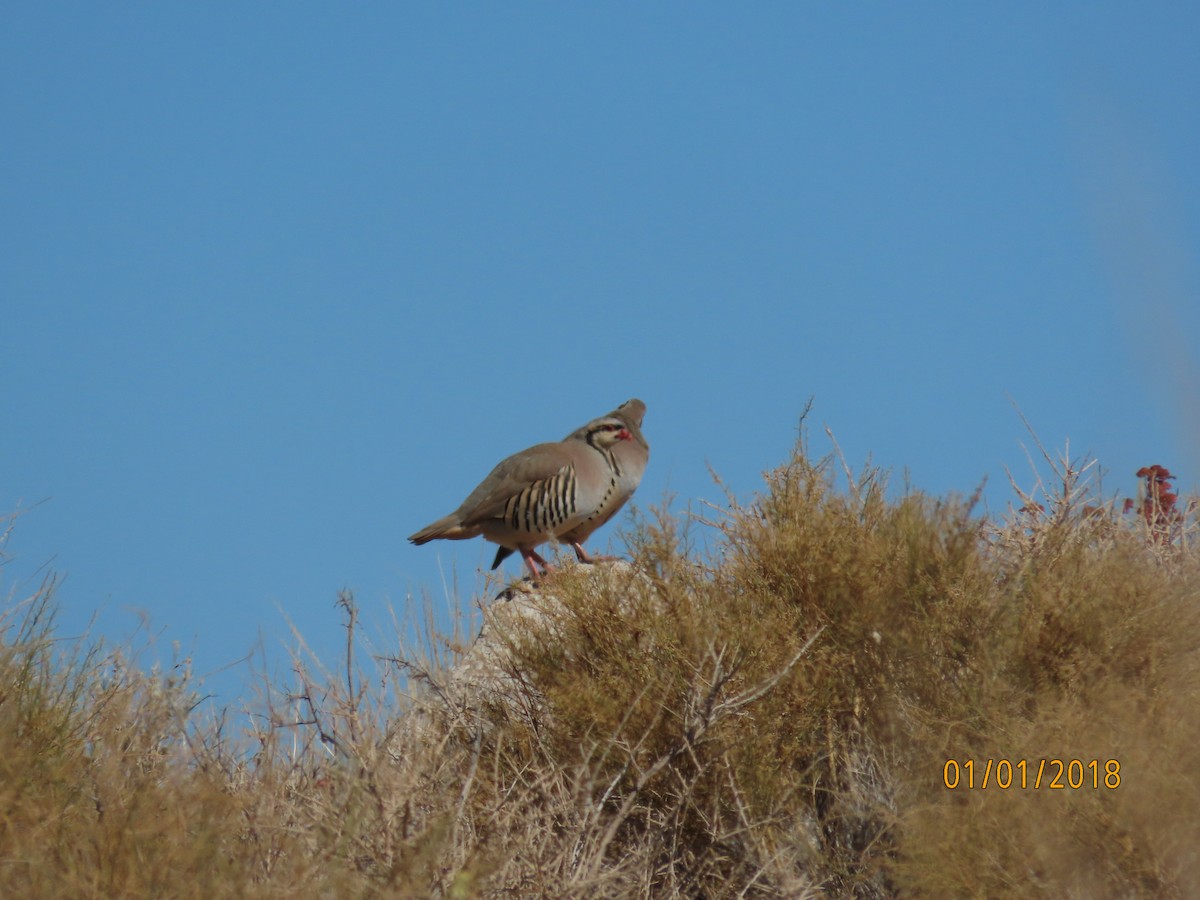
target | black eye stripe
[{"x": 610, "y": 428}]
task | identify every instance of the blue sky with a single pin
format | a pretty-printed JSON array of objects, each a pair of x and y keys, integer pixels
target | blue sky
[{"x": 279, "y": 283}]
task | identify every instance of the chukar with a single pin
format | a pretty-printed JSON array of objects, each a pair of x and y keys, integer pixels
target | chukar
[{"x": 563, "y": 490}]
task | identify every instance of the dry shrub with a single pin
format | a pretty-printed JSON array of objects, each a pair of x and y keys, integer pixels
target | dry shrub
[{"x": 772, "y": 719}]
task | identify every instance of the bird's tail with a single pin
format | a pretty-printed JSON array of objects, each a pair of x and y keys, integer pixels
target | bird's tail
[{"x": 447, "y": 529}]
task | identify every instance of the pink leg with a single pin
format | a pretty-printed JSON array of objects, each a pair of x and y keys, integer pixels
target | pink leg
[
  {"x": 584, "y": 557},
  {"x": 532, "y": 559}
]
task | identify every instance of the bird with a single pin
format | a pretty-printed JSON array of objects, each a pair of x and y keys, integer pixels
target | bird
[{"x": 561, "y": 490}]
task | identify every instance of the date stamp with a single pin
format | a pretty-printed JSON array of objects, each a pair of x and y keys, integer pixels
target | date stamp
[{"x": 1037, "y": 774}]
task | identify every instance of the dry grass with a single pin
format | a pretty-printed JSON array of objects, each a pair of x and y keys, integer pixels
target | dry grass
[{"x": 770, "y": 720}]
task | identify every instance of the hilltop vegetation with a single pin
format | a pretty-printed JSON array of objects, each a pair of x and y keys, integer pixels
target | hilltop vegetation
[{"x": 779, "y": 716}]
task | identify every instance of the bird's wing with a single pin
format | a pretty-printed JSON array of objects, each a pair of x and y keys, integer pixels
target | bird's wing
[{"x": 509, "y": 478}]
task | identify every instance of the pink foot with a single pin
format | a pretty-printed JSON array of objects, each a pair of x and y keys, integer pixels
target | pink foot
[{"x": 591, "y": 560}]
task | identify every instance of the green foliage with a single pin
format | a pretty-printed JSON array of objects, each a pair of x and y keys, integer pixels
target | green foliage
[{"x": 771, "y": 720}]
